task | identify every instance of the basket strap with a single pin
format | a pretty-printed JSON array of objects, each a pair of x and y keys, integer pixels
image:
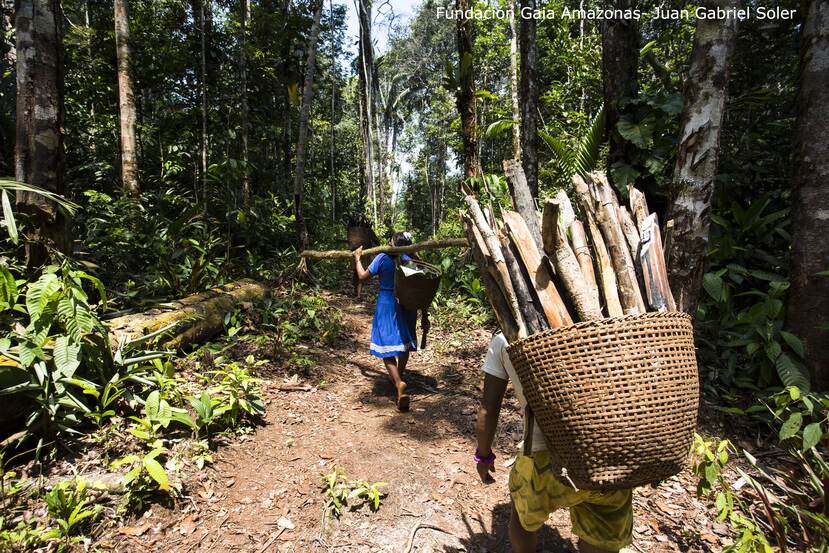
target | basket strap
[{"x": 529, "y": 423}]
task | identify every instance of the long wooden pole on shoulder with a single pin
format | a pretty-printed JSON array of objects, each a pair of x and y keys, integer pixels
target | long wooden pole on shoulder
[{"x": 425, "y": 245}]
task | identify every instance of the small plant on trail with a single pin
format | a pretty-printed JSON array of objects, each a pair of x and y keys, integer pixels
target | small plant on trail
[
  {"x": 67, "y": 506},
  {"x": 202, "y": 455},
  {"x": 338, "y": 491},
  {"x": 238, "y": 392},
  {"x": 145, "y": 479}
]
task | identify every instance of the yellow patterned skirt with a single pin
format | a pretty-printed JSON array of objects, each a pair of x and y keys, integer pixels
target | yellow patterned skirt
[{"x": 602, "y": 519}]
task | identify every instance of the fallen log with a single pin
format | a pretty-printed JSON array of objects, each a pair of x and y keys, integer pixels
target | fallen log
[
  {"x": 199, "y": 316},
  {"x": 425, "y": 245}
]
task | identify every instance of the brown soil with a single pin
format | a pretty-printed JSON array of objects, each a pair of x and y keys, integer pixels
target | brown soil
[{"x": 263, "y": 492}]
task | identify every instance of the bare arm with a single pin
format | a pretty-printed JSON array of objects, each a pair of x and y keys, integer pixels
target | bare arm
[
  {"x": 488, "y": 413},
  {"x": 362, "y": 274}
]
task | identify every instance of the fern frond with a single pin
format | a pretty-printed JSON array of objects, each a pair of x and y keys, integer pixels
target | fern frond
[{"x": 587, "y": 154}]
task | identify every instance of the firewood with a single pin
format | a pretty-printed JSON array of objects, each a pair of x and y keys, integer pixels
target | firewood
[
  {"x": 566, "y": 213},
  {"x": 607, "y": 275},
  {"x": 493, "y": 247},
  {"x": 531, "y": 305},
  {"x": 620, "y": 256},
  {"x": 638, "y": 205},
  {"x": 538, "y": 270},
  {"x": 654, "y": 271},
  {"x": 585, "y": 299},
  {"x": 522, "y": 199},
  {"x": 629, "y": 228},
  {"x": 500, "y": 305},
  {"x": 582, "y": 251}
]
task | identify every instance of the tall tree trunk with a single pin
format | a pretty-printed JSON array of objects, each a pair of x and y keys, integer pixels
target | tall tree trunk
[
  {"x": 809, "y": 299},
  {"x": 333, "y": 175},
  {"x": 466, "y": 94},
  {"x": 304, "y": 118},
  {"x": 38, "y": 155},
  {"x": 244, "y": 18},
  {"x": 620, "y": 63},
  {"x": 126, "y": 99},
  {"x": 366, "y": 78},
  {"x": 203, "y": 15},
  {"x": 513, "y": 81},
  {"x": 529, "y": 97},
  {"x": 696, "y": 164}
]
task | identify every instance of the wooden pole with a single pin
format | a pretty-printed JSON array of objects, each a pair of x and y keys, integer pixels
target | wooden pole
[
  {"x": 585, "y": 300},
  {"x": 607, "y": 275},
  {"x": 582, "y": 251},
  {"x": 654, "y": 271},
  {"x": 425, "y": 245},
  {"x": 528, "y": 302},
  {"x": 522, "y": 199}
]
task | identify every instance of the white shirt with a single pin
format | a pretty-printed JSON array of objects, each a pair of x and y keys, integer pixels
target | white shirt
[{"x": 498, "y": 364}]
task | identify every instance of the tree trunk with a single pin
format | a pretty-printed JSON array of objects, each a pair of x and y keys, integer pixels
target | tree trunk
[
  {"x": 529, "y": 97},
  {"x": 466, "y": 94},
  {"x": 620, "y": 62},
  {"x": 302, "y": 139},
  {"x": 126, "y": 99},
  {"x": 365, "y": 63},
  {"x": 809, "y": 299},
  {"x": 696, "y": 162},
  {"x": 38, "y": 155},
  {"x": 244, "y": 18},
  {"x": 203, "y": 15},
  {"x": 513, "y": 81}
]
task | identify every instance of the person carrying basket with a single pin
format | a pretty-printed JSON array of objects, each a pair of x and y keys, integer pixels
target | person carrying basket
[
  {"x": 393, "y": 326},
  {"x": 603, "y": 520}
]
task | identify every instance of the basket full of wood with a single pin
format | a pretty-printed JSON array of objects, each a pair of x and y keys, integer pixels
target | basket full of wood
[
  {"x": 416, "y": 283},
  {"x": 607, "y": 364}
]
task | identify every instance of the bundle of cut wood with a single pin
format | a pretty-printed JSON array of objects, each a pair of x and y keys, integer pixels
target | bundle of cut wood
[{"x": 595, "y": 259}]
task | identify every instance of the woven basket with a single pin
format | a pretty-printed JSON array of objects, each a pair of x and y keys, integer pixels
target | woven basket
[
  {"x": 617, "y": 399},
  {"x": 416, "y": 291}
]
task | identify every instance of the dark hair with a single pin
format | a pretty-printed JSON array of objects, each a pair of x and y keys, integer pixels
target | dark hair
[{"x": 399, "y": 239}]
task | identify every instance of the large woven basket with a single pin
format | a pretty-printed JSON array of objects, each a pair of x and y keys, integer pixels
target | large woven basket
[
  {"x": 616, "y": 399},
  {"x": 418, "y": 290}
]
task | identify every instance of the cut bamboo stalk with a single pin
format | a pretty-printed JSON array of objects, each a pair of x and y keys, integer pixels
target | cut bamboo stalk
[
  {"x": 638, "y": 205},
  {"x": 654, "y": 271},
  {"x": 522, "y": 199},
  {"x": 531, "y": 305},
  {"x": 554, "y": 308},
  {"x": 607, "y": 276},
  {"x": 620, "y": 256},
  {"x": 500, "y": 272},
  {"x": 582, "y": 251},
  {"x": 585, "y": 299},
  {"x": 500, "y": 305}
]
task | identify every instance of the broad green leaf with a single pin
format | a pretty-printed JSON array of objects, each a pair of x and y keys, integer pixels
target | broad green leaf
[
  {"x": 67, "y": 355},
  {"x": 40, "y": 294},
  {"x": 640, "y": 134},
  {"x": 157, "y": 472},
  {"x": 791, "y": 426},
  {"x": 792, "y": 372},
  {"x": 151, "y": 405},
  {"x": 8, "y": 218},
  {"x": 8, "y": 287},
  {"x": 713, "y": 285},
  {"x": 498, "y": 128},
  {"x": 793, "y": 341},
  {"x": 811, "y": 436}
]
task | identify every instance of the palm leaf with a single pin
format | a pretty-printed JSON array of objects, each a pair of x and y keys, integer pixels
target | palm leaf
[
  {"x": 9, "y": 184},
  {"x": 587, "y": 154},
  {"x": 563, "y": 156}
]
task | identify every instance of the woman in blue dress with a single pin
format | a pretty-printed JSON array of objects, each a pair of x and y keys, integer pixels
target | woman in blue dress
[{"x": 393, "y": 327}]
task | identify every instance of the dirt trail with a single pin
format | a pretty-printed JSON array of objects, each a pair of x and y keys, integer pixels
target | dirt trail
[{"x": 263, "y": 493}]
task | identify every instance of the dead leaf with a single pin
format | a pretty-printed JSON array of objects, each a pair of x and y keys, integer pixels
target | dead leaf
[
  {"x": 134, "y": 530},
  {"x": 230, "y": 482},
  {"x": 188, "y": 525}
]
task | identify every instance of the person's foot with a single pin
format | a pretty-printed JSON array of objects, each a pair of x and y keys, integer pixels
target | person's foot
[{"x": 402, "y": 398}]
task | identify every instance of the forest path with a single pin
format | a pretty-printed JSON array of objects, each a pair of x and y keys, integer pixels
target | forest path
[{"x": 263, "y": 493}]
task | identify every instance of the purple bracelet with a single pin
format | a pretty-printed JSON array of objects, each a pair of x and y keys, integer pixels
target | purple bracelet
[{"x": 488, "y": 460}]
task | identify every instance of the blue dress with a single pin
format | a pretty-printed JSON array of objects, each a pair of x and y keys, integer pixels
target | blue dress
[{"x": 392, "y": 330}]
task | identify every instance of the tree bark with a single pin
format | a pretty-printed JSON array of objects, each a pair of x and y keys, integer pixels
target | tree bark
[
  {"x": 244, "y": 18},
  {"x": 529, "y": 97},
  {"x": 38, "y": 155},
  {"x": 203, "y": 15},
  {"x": 365, "y": 61},
  {"x": 513, "y": 81},
  {"x": 466, "y": 94},
  {"x": 126, "y": 99},
  {"x": 809, "y": 299},
  {"x": 304, "y": 117},
  {"x": 620, "y": 63},
  {"x": 696, "y": 163}
]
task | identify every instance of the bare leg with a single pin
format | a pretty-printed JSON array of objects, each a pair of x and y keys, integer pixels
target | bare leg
[
  {"x": 402, "y": 361},
  {"x": 585, "y": 547},
  {"x": 402, "y": 396},
  {"x": 522, "y": 541}
]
